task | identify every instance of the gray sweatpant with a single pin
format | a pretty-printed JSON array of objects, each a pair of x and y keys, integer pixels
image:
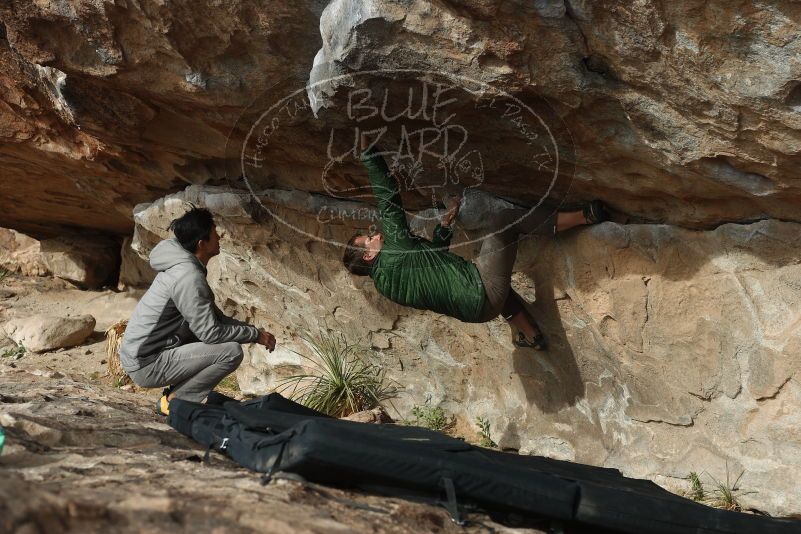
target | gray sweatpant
[{"x": 192, "y": 369}]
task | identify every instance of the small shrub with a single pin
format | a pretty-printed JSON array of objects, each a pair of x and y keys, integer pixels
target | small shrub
[
  {"x": 484, "y": 433},
  {"x": 342, "y": 380},
  {"x": 431, "y": 417},
  {"x": 4, "y": 273},
  {"x": 14, "y": 352}
]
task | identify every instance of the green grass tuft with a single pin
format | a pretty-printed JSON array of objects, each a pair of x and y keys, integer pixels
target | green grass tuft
[
  {"x": 726, "y": 494},
  {"x": 697, "y": 492},
  {"x": 723, "y": 495},
  {"x": 229, "y": 383},
  {"x": 342, "y": 379},
  {"x": 120, "y": 381}
]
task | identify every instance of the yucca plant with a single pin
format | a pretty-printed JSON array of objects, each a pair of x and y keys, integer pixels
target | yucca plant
[
  {"x": 726, "y": 494},
  {"x": 722, "y": 495},
  {"x": 341, "y": 380}
]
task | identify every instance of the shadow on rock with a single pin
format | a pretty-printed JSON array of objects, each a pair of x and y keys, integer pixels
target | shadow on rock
[{"x": 551, "y": 378}]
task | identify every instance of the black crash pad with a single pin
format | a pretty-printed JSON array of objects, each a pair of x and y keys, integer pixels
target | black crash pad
[{"x": 273, "y": 434}]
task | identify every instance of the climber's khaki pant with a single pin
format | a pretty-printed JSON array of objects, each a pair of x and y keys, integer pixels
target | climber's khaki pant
[{"x": 497, "y": 258}]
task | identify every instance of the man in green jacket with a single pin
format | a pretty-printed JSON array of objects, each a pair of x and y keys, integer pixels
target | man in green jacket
[{"x": 422, "y": 274}]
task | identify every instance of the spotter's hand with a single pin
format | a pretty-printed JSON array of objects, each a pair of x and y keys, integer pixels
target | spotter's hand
[{"x": 266, "y": 339}]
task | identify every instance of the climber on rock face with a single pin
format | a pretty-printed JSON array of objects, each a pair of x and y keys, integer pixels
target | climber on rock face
[
  {"x": 177, "y": 336},
  {"x": 422, "y": 274}
]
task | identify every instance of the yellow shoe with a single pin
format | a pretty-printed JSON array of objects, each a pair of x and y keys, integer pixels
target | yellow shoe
[{"x": 163, "y": 406}]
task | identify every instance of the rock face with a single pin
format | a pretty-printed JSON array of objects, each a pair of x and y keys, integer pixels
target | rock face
[
  {"x": 21, "y": 253},
  {"x": 103, "y": 105},
  {"x": 673, "y": 349},
  {"x": 84, "y": 261},
  {"x": 670, "y": 350},
  {"x": 39, "y": 333},
  {"x": 134, "y": 270},
  {"x": 685, "y": 113},
  {"x": 677, "y": 113},
  {"x": 376, "y": 415}
]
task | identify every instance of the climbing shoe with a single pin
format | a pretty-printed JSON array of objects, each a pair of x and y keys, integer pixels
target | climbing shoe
[
  {"x": 538, "y": 343},
  {"x": 595, "y": 212}
]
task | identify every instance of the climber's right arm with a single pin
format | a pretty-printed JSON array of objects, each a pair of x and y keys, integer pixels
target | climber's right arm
[{"x": 386, "y": 191}]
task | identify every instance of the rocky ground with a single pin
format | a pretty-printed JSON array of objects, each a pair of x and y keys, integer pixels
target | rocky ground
[{"x": 82, "y": 455}]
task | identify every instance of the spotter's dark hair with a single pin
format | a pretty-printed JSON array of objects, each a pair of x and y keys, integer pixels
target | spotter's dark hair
[{"x": 193, "y": 226}]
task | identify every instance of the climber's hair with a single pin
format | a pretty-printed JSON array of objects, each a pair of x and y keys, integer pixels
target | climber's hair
[
  {"x": 193, "y": 226},
  {"x": 354, "y": 257}
]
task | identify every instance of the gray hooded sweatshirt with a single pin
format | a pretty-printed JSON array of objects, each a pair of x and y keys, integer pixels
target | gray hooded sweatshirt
[{"x": 178, "y": 308}]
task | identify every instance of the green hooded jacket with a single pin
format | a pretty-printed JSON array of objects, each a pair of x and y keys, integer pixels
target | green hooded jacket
[{"x": 413, "y": 271}]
